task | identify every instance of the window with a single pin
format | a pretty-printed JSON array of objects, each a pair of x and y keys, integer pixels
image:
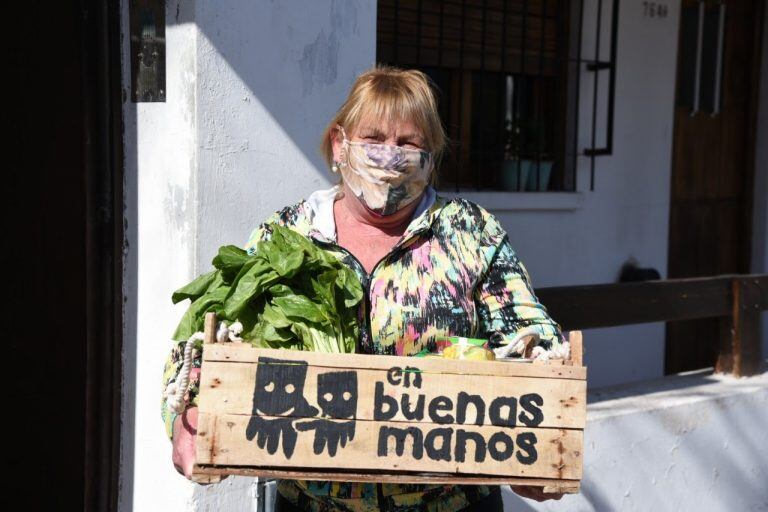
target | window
[{"x": 502, "y": 67}]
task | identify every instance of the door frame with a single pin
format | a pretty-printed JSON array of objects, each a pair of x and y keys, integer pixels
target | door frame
[
  {"x": 100, "y": 33},
  {"x": 754, "y": 109}
]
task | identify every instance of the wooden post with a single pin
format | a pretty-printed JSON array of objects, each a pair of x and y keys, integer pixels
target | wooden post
[
  {"x": 577, "y": 348},
  {"x": 740, "y": 352},
  {"x": 210, "y": 328}
]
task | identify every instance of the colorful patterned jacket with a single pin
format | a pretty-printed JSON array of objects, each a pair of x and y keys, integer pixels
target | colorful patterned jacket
[{"x": 453, "y": 273}]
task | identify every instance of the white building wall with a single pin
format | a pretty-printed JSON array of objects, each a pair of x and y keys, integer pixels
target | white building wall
[
  {"x": 161, "y": 224},
  {"x": 271, "y": 76}
]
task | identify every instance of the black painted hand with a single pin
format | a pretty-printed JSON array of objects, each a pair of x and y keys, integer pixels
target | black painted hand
[
  {"x": 329, "y": 433},
  {"x": 269, "y": 432}
]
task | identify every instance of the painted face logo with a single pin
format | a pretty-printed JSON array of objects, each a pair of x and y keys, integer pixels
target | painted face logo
[
  {"x": 337, "y": 397},
  {"x": 279, "y": 391}
]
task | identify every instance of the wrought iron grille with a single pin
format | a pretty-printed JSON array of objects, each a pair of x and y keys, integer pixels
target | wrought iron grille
[{"x": 509, "y": 76}]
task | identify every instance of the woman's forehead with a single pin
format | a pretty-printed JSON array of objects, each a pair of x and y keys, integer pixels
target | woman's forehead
[{"x": 386, "y": 126}]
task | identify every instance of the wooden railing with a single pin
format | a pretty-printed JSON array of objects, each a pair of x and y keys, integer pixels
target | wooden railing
[{"x": 737, "y": 299}]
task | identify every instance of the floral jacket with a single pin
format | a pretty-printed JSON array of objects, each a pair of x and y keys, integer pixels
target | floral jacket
[{"x": 453, "y": 273}]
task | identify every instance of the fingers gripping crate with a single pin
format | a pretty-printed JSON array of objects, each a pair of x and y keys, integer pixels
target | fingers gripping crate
[{"x": 368, "y": 418}]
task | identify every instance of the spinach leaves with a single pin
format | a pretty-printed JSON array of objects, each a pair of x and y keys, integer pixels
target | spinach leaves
[{"x": 288, "y": 294}]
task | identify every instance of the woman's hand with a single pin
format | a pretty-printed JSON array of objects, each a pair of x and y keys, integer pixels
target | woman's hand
[
  {"x": 535, "y": 493},
  {"x": 184, "y": 435}
]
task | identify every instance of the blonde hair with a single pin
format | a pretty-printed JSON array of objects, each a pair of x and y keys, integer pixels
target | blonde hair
[{"x": 391, "y": 94}]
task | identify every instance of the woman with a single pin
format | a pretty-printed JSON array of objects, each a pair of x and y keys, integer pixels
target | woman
[{"x": 430, "y": 266}]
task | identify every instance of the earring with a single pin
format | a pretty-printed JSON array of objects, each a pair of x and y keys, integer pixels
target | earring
[{"x": 335, "y": 167}]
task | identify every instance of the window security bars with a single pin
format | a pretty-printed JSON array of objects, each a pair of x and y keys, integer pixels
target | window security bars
[{"x": 509, "y": 73}]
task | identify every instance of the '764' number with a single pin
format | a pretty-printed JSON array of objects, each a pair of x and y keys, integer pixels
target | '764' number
[{"x": 655, "y": 10}]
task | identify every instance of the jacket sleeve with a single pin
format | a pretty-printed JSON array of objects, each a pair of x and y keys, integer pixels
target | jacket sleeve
[
  {"x": 505, "y": 299},
  {"x": 171, "y": 369}
]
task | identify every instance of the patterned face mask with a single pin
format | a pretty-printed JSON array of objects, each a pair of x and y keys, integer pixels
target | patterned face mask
[{"x": 385, "y": 178}]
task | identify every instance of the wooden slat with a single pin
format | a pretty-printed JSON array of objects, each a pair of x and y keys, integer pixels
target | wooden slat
[
  {"x": 246, "y": 353},
  {"x": 204, "y": 444},
  {"x": 549, "y": 485},
  {"x": 222, "y": 441},
  {"x": 206, "y": 478},
  {"x": 759, "y": 290},
  {"x": 227, "y": 388},
  {"x": 584, "y": 307}
]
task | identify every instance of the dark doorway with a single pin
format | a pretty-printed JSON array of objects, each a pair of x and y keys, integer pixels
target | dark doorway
[
  {"x": 62, "y": 213},
  {"x": 710, "y": 224}
]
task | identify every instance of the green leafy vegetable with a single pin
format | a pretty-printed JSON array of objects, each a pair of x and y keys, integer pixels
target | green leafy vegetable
[{"x": 288, "y": 294}]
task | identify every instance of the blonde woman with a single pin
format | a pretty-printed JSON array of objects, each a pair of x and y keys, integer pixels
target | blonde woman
[{"x": 430, "y": 267}]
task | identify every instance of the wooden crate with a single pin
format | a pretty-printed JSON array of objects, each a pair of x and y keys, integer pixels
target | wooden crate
[{"x": 365, "y": 418}]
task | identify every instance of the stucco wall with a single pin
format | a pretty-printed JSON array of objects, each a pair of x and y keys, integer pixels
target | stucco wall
[
  {"x": 161, "y": 223},
  {"x": 271, "y": 76}
]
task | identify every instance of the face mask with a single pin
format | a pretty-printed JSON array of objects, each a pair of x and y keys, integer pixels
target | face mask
[{"x": 384, "y": 178}]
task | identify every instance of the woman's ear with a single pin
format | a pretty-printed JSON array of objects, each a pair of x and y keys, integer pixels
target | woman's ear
[{"x": 335, "y": 135}]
